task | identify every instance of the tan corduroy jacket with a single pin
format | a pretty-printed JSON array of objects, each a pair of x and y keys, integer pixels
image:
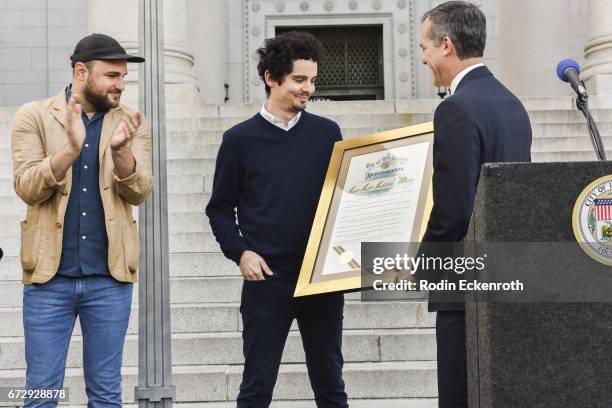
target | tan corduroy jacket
[{"x": 38, "y": 132}]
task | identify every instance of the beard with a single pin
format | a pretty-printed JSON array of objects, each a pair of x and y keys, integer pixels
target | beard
[
  {"x": 298, "y": 107},
  {"x": 98, "y": 99}
]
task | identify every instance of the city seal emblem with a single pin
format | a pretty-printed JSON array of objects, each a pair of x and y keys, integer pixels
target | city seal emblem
[{"x": 592, "y": 220}]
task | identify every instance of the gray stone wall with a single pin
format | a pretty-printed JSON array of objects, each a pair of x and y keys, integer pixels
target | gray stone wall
[
  {"x": 578, "y": 29},
  {"x": 492, "y": 54},
  {"x": 36, "y": 39},
  {"x": 208, "y": 26}
]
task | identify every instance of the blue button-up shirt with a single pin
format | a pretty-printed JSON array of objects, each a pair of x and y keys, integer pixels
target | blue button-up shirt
[{"x": 85, "y": 243}]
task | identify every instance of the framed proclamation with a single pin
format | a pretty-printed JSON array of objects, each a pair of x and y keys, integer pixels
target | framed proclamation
[{"x": 377, "y": 189}]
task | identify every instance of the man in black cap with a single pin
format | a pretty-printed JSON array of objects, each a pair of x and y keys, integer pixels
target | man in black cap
[{"x": 80, "y": 161}]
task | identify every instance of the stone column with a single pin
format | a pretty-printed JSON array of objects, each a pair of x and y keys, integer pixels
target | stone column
[
  {"x": 533, "y": 37},
  {"x": 598, "y": 49},
  {"x": 209, "y": 33},
  {"x": 179, "y": 56},
  {"x": 119, "y": 19},
  {"x": 155, "y": 388}
]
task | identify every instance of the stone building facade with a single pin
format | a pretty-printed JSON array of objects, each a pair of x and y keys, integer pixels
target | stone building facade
[{"x": 373, "y": 45}]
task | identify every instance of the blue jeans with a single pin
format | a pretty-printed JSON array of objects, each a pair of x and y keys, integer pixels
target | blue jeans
[{"x": 49, "y": 313}]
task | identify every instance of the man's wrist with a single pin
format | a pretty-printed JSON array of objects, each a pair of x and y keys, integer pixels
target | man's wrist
[
  {"x": 242, "y": 254},
  {"x": 71, "y": 150},
  {"x": 120, "y": 149}
]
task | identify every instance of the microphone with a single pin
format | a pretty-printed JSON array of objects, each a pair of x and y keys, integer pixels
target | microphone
[{"x": 568, "y": 70}]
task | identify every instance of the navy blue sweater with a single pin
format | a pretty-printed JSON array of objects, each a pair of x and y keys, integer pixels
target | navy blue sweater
[{"x": 271, "y": 179}]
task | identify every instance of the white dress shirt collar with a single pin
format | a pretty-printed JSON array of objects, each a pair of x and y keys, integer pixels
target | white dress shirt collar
[
  {"x": 456, "y": 80},
  {"x": 278, "y": 122}
]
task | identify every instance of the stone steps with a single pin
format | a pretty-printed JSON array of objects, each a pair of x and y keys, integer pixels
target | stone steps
[
  {"x": 178, "y": 242},
  {"x": 10, "y": 268},
  {"x": 245, "y": 110},
  {"x": 220, "y": 383},
  {"x": 174, "y": 151},
  {"x": 207, "y": 137},
  {"x": 354, "y": 403},
  {"x": 571, "y": 156},
  {"x": 175, "y": 94},
  {"x": 185, "y": 183},
  {"x": 6, "y": 170},
  {"x": 204, "y": 146},
  {"x": 202, "y": 264},
  {"x": 548, "y": 109},
  {"x": 345, "y": 121},
  {"x": 188, "y": 202},
  {"x": 225, "y": 317},
  {"x": 10, "y": 227},
  {"x": 202, "y": 167},
  {"x": 7, "y": 113},
  {"x": 383, "y": 342},
  {"x": 544, "y": 123},
  {"x": 202, "y": 137},
  {"x": 182, "y": 265},
  {"x": 184, "y": 290},
  {"x": 177, "y": 184},
  {"x": 11, "y": 205},
  {"x": 6, "y": 185},
  {"x": 191, "y": 222},
  {"x": 563, "y": 130},
  {"x": 563, "y": 144},
  {"x": 567, "y": 116},
  {"x": 193, "y": 242},
  {"x": 223, "y": 348}
]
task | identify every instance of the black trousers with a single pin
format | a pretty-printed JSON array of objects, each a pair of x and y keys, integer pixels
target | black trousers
[
  {"x": 268, "y": 309},
  {"x": 452, "y": 360}
]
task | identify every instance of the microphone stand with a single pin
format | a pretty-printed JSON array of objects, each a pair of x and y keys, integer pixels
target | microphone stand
[{"x": 582, "y": 104}]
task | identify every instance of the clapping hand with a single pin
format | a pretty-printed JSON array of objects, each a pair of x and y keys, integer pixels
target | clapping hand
[
  {"x": 125, "y": 131},
  {"x": 75, "y": 129}
]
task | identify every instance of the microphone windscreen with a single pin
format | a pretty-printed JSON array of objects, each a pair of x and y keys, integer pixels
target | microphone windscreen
[{"x": 564, "y": 66}]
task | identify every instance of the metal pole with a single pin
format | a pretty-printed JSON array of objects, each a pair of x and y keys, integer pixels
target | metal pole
[{"x": 155, "y": 388}]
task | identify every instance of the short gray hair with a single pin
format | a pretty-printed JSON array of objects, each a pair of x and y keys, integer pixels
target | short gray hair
[{"x": 464, "y": 23}]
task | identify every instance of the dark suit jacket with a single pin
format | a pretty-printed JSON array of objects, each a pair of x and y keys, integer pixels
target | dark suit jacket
[{"x": 483, "y": 122}]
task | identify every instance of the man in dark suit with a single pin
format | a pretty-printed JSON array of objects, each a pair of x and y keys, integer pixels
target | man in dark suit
[{"x": 480, "y": 122}]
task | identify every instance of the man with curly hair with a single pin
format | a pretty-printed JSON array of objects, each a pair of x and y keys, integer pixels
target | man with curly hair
[{"x": 269, "y": 174}]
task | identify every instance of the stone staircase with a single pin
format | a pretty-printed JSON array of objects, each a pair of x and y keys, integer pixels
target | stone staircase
[
  {"x": 560, "y": 131},
  {"x": 389, "y": 348}
]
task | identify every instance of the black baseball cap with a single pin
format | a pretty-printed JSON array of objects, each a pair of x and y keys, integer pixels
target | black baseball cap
[{"x": 101, "y": 47}]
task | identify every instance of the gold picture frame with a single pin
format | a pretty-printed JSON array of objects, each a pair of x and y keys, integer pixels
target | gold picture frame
[{"x": 385, "y": 161}]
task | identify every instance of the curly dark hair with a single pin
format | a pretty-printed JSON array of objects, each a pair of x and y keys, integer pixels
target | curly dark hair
[{"x": 279, "y": 53}]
